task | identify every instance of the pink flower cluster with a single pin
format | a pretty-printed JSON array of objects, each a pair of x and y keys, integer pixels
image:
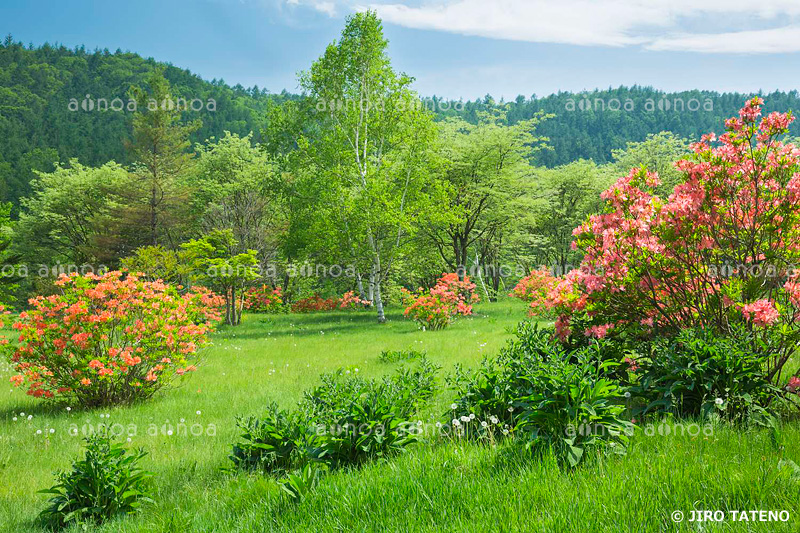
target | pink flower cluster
[{"x": 652, "y": 264}]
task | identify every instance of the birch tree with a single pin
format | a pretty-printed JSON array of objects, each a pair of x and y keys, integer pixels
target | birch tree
[{"x": 371, "y": 145}]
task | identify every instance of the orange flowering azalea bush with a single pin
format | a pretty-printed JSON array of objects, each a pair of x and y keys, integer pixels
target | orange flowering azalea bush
[
  {"x": 439, "y": 306},
  {"x": 110, "y": 339},
  {"x": 534, "y": 289}
]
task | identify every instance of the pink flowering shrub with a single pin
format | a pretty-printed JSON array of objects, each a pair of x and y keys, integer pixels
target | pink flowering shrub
[
  {"x": 263, "y": 299},
  {"x": 351, "y": 301},
  {"x": 439, "y": 306},
  {"x": 110, "y": 339},
  {"x": 717, "y": 254},
  {"x": 534, "y": 289}
]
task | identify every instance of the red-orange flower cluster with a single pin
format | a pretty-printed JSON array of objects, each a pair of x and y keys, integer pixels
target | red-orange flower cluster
[
  {"x": 439, "y": 306},
  {"x": 110, "y": 339}
]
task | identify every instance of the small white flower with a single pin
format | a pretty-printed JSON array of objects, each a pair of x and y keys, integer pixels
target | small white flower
[
  {"x": 198, "y": 412},
  {"x": 102, "y": 416},
  {"x": 494, "y": 420},
  {"x": 510, "y": 409},
  {"x": 52, "y": 430},
  {"x": 14, "y": 419},
  {"x": 22, "y": 414},
  {"x": 483, "y": 423},
  {"x": 169, "y": 432},
  {"x": 438, "y": 424},
  {"x": 453, "y": 406},
  {"x": 627, "y": 394},
  {"x": 718, "y": 401},
  {"x": 69, "y": 408},
  {"x": 505, "y": 432},
  {"x": 183, "y": 420},
  {"x": 419, "y": 422},
  {"x": 456, "y": 422},
  {"x": 472, "y": 416},
  {"x": 465, "y": 419},
  {"x": 356, "y": 370},
  {"x": 38, "y": 431},
  {"x": 30, "y": 417},
  {"x": 129, "y": 439}
]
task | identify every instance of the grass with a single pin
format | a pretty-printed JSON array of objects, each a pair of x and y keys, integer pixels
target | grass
[{"x": 446, "y": 487}]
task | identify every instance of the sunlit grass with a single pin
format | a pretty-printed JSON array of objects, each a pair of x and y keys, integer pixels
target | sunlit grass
[{"x": 444, "y": 487}]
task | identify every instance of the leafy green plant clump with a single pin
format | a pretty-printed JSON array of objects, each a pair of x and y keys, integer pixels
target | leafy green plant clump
[{"x": 106, "y": 483}]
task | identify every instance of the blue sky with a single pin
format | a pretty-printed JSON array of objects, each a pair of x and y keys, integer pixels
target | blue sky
[{"x": 454, "y": 48}]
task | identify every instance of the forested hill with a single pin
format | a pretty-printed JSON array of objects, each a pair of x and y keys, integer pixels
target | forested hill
[
  {"x": 590, "y": 125},
  {"x": 45, "y": 115},
  {"x": 40, "y": 89}
]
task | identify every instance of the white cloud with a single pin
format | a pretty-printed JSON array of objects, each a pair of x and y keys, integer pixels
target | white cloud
[
  {"x": 656, "y": 25},
  {"x": 771, "y": 41},
  {"x": 323, "y": 6}
]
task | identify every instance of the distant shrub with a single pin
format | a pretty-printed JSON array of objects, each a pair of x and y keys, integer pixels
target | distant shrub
[
  {"x": 315, "y": 303},
  {"x": 264, "y": 299},
  {"x": 350, "y": 300},
  {"x": 438, "y": 307},
  {"x": 107, "y": 482},
  {"x": 395, "y": 356},
  {"x": 110, "y": 339},
  {"x": 534, "y": 289}
]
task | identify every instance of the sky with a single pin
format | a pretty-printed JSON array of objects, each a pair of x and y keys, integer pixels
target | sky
[{"x": 453, "y": 48}]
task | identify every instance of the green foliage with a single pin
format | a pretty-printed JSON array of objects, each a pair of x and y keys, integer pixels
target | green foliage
[
  {"x": 107, "y": 482},
  {"x": 269, "y": 443},
  {"x": 551, "y": 397},
  {"x": 216, "y": 262},
  {"x": 300, "y": 483},
  {"x": 699, "y": 373},
  {"x": 345, "y": 420},
  {"x": 395, "y": 356}
]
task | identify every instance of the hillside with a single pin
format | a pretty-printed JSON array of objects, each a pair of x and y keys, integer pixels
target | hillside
[{"x": 49, "y": 99}]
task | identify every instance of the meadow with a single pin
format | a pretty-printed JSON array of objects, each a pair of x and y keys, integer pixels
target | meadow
[{"x": 443, "y": 485}]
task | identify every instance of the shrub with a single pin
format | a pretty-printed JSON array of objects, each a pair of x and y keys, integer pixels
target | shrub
[
  {"x": 343, "y": 421},
  {"x": 534, "y": 289},
  {"x": 349, "y": 300},
  {"x": 697, "y": 373},
  {"x": 107, "y": 482},
  {"x": 395, "y": 356},
  {"x": 544, "y": 394},
  {"x": 270, "y": 443},
  {"x": 438, "y": 307},
  {"x": 718, "y": 254},
  {"x": 264, "y": 299},
  {"x": 110, "y": 339},
  {"x": 315, "y": 303}
]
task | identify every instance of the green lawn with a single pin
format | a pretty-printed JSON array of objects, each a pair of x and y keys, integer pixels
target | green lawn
[{"x": 446, "y": 486}]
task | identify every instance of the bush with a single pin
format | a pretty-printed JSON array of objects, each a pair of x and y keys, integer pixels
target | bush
[
  {"x": 315, "y": 303},
  {"x": 264, "y": 299},
  {"x": 349, "y": 300},
  {"x": 698, "y": 373},
  {"x": 438, "y": 307},
  {"x": 346, "y": 420},
  {"x": 270, "y": 443},
  {"x": 544, "y": 394},
  {"x": 534, "y": 289},
  {"x": 107, "y": 482},
  {"x": 718, "y": 254},
  {"x": 110, "y": 339}
]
